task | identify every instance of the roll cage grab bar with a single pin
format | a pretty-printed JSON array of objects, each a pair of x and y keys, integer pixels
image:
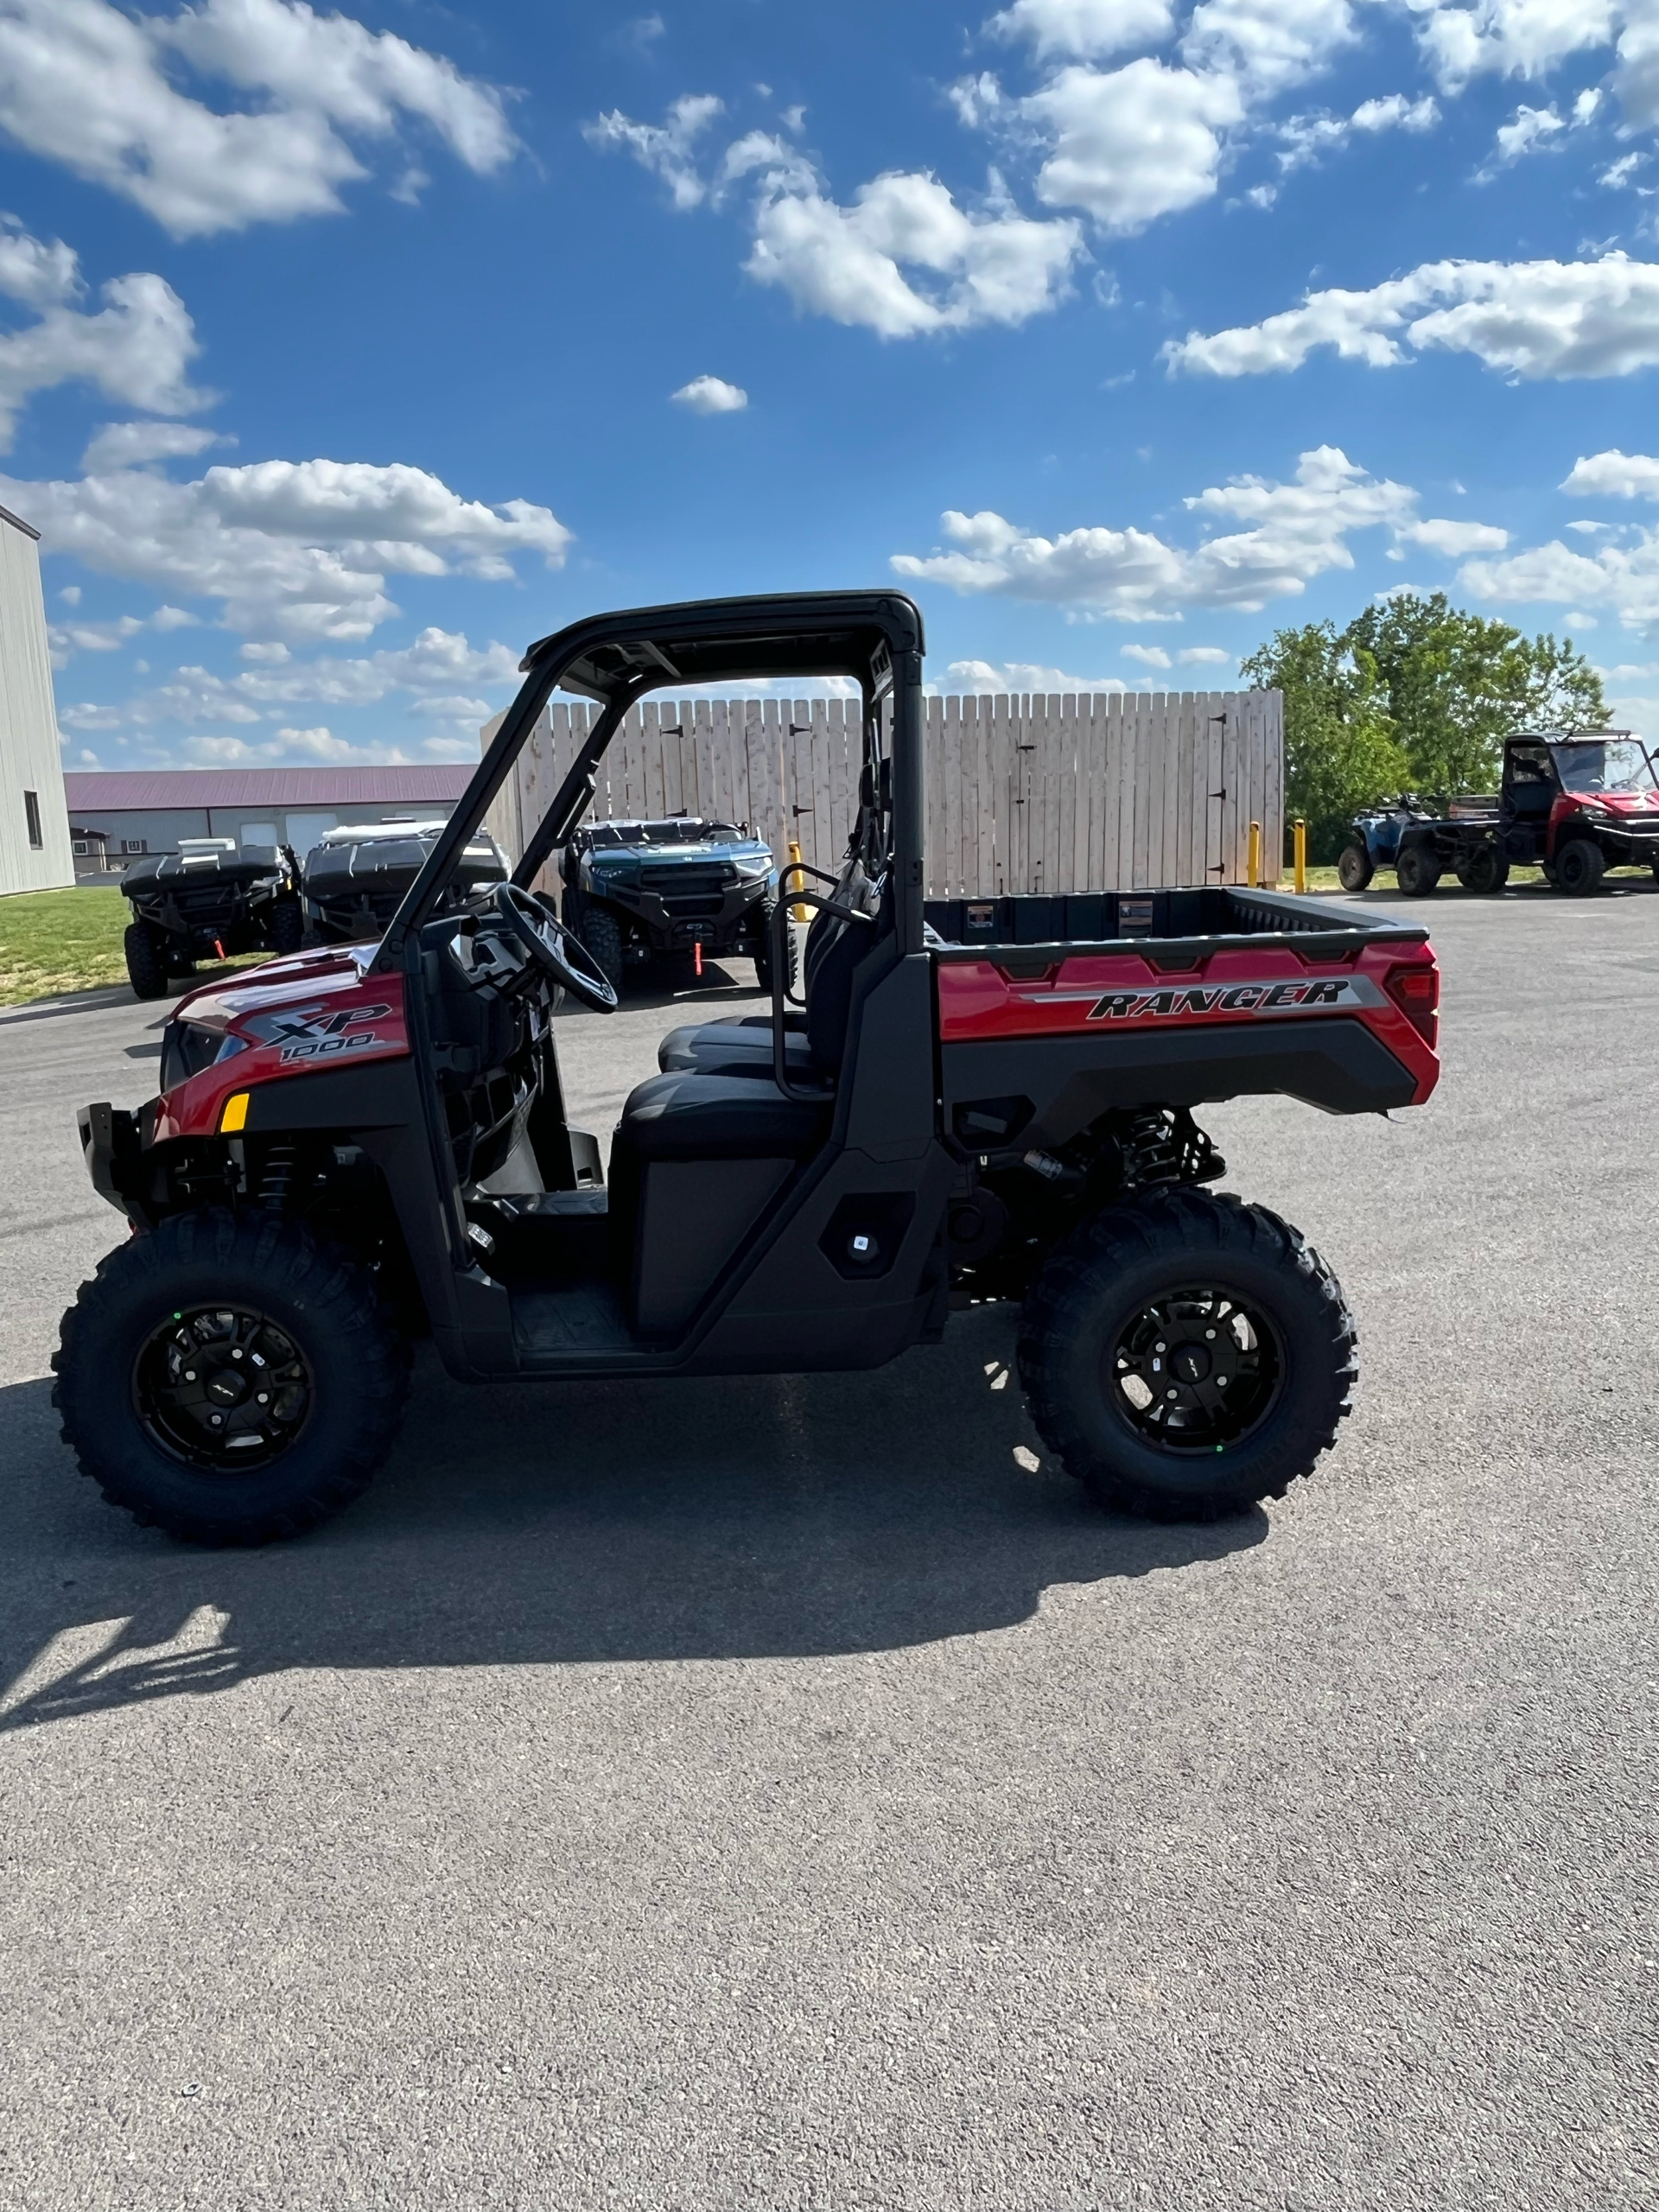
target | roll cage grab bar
[{"x": 876, "y": 638}]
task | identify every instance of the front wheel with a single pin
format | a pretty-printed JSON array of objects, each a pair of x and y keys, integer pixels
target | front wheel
[
  {"x": 229, "y": 1379},
  {"x": 600, "y": 931},
  {"x": 1187, "y": 1357},
  {"x": 1580, "y": 867},
  {"x": 286, "y": 926},
  {"x": 1354, "y": 869},
  {"x": 760, "y": 945}
]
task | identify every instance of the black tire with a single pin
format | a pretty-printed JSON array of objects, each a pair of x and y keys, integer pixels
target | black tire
[
  {"x": 1098, "y": 1290},
  {"x": 146, "y": 954},
  {"x": 1417, "y": 871},
  {"x": 286, "y": 926},
  {"x": 760, "y": 950},
  {"x": 1354, "y": 868},
  {"x": 602, "y": 933},
  {"x": 1486, "y": 870},
  {"x": 1580, "y": 867},
  {"x": 1654, "y": 865},
  {"x": 162, "y": 1300}
]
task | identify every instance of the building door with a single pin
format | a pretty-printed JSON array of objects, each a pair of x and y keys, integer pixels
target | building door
[{"x": 304, "y": 829}]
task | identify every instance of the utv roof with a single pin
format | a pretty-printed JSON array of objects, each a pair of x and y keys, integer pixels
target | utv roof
[{"x": 733, "y": 640}]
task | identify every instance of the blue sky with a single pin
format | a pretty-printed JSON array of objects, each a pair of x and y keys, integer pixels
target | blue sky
[{"x": 342, "y": 354}]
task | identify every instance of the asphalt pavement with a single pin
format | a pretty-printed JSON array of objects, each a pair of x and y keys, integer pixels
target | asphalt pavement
[{"x": 791, "y": 1792}]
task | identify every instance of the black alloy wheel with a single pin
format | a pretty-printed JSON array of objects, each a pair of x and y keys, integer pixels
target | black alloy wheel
[
  {"x": 222, "y": 1387},
  {"x": 1196, "y": 1372},
  {"x": 227, "y": 1377},
  {"x": 1185, "y": 1356}
]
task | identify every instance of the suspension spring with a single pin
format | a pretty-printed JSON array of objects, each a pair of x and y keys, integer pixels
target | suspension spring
[{"x": 278, "y": 1177}]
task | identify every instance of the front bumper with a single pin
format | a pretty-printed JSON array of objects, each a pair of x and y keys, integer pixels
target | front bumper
[
  {"x": 717, "y": 920},
  {"x": 112, "y": 1143}
]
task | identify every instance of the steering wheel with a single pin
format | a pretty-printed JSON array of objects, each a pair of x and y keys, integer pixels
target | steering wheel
[{"x": 555, "y": 950}]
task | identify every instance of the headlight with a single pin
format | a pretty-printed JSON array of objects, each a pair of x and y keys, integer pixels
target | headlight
[{"x": 187, "y": 1047}]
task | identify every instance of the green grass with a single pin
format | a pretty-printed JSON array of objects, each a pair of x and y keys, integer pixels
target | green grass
[{"x": 56, "y": 941}]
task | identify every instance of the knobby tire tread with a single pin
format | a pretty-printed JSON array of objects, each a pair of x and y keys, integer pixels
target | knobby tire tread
[
  {"x": 346, "y": 1307},
  {"x": 1205, "y": 1223}
]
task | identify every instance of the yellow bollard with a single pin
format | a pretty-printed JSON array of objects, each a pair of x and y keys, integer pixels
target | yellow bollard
[
  {"x": 797, "y": 912},
  {"x": 1298, "y": 850},
  {"x": 1253, "y": 866}
]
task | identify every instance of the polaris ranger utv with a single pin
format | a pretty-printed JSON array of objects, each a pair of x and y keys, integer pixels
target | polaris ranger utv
[
  {"x": 355, "y": 877},
  {"x": 210, "y": 898},
  {"x": 976, "y": 1100},
  {"x": 1574, "y": 806},
  {"x": 636, "y": 892}
]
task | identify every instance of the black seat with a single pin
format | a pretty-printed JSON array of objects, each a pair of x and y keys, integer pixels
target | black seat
[
  {"x": 816, "y": 1041},
  {"x": 685, "y": 1115}
]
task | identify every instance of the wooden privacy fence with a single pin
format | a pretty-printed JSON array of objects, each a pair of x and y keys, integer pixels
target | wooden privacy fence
[{"x": 1101, "y": 791}]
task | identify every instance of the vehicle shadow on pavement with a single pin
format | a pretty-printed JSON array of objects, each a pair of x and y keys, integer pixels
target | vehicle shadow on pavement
[{"x": 707, "y": 1519}]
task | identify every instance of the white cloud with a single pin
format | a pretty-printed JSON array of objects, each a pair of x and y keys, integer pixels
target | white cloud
[
  {"x": 136, "y": 348},
  {"x": 85, "y": 84},
  {"x": 1527, "y": 131},
  {"x": 1148, "y": 655},
  {"x": 1298, "y": 531},
  {"x": 667, "y": 149},
  {"x": 1128, "y": 145},
  {"x": 65, "y": 638},
  {"x": 1267, "y": 44},
  {"x": 1021, "y": 676},
  {"x": 1204, "y": 657},
  {"x": 1623, "y": 577},
  {"x": 1304, "y": 139},
  {"x": 300, "y": 548},
  {"x": 905, "y": 260},
  {"x": 1454, "y": 539},
  {"x": 712, "y": 396},
  {"x": 1636, "y": 80},
  {"x": 130, "y": 445},
  {"x": 270, "y": 654},
  {"x": 432, "y": 669},
  {"x": 1531, "y": 318},
  {"x": 1085, "y": 29},
  {"x": 1510, "y": 38},
  {"x": 1614, "y": 475}
]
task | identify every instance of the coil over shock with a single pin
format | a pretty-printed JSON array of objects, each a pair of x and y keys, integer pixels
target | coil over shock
[
  {"x": 1163, "y": 1144},
  {"x": 276, "y": 1183}
]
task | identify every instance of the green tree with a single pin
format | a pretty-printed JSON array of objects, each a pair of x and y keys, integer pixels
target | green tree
[
  {"x": 1340, "y": 753},
  {"x": 1454, "y": 685}
]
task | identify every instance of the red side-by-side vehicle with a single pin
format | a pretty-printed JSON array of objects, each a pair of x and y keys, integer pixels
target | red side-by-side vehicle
[{"x": 969, "y": 1100}]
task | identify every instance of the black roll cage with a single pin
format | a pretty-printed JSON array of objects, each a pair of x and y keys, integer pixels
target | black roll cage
[{"x": 873, "y": 636}]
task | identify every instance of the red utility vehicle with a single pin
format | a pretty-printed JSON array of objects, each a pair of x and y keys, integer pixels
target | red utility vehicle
[
  {"x": 1573, "y": 805},
  {"x": 974, "y": 1100}
]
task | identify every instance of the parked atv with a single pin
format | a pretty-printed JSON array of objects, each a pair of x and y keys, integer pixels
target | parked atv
[
  {"x": 1374, "y": 840},
  {"x": 210, "y": 898},
  {"x": 635, "y": 892},
  {"x": 976, "y": 1100},
  {"x": 1573, "y": 805},
  {"x": 355, "y": 877}
]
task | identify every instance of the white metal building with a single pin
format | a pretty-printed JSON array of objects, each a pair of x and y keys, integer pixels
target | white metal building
[{"x": 33, "y": 825}]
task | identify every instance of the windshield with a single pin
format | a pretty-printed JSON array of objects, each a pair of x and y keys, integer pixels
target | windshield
[
  {"x": 662, "y": 833},
  {"x": 1613, "y": 765}
]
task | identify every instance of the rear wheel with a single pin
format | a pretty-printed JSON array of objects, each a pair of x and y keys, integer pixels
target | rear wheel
[
  {"x": 1187, "y": 1357},
  {"x": 1580, "y": 867},
  {"x": 1417, "y": 871},
  {"x": 1354, "y": 869},
  {"x": 1484, "y": 871},
  {"x": 602, "y": 933},
  {"x": 229, "y": 1379},
  {"x": 146, "y": 961},
  {"x": 287, "y": 926}
]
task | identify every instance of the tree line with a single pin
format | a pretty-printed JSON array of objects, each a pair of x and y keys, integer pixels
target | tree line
[{"x": 1414, "y": 696}]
